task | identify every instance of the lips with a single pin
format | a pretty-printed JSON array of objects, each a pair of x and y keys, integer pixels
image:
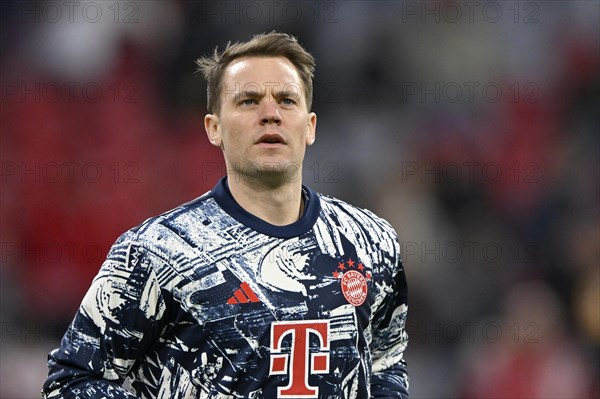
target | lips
[{"x": 270, "y": 138}]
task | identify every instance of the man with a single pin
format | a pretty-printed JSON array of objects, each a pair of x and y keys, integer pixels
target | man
[{"x": 261, "y": 288}]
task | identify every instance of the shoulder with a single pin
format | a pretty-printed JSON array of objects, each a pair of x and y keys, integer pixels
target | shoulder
[
  {"x": 362, "y": 218},
  {"x": 163, "y": 233},
  {"x": 371, "y": 234}
]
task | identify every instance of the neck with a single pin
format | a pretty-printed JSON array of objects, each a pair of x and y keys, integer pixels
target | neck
[{"x": 279, "y": 204}]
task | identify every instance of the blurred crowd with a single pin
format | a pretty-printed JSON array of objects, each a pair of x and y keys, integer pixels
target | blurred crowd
[{"x": 472, "y": 127}]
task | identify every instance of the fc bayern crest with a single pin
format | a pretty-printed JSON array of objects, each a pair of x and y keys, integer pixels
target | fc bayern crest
[{"x": 353, "y": 282}]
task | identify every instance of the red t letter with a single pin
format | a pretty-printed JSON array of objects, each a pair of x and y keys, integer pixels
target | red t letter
[{"x": 297, "y": 362}]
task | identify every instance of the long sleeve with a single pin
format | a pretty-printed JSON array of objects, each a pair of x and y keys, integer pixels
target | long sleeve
[
  {"x": 118, "y": 320},
  {"x": 390, "y": 378}
]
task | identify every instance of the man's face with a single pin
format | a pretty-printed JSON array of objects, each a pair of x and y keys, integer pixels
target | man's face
[{"x": 264, "y": 125}]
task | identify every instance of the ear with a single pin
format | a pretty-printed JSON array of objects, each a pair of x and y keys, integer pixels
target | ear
[
  {"x": 212, "y": 125},
  {"x": 312, "y": 128}
]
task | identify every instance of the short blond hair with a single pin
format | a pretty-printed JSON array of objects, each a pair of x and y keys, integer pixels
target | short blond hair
[{"x": 273, "y": 44}]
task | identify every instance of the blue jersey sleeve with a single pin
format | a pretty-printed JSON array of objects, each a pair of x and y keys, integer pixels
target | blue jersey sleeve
[
  {"x": 390, "y": 378},
  {"x": 119, "y": 318}
]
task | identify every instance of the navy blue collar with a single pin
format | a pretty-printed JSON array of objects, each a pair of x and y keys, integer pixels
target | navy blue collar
[{"x": 312, "y": 207}]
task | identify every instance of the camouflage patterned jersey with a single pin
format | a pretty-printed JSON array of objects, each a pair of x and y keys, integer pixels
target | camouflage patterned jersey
[{"x": 209, "y": 301}]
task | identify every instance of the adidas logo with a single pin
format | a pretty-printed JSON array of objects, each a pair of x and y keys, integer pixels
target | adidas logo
[{"x": 243, "y": 295}]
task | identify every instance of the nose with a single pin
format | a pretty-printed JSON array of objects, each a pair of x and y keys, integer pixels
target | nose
[{"x": 269, "y": 112}]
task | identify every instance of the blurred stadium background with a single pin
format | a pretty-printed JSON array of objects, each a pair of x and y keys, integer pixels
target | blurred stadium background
[{"x": 472, "y": 127}]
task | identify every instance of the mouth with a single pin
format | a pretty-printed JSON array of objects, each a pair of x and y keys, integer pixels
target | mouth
[{"x": 271, "y": 139}]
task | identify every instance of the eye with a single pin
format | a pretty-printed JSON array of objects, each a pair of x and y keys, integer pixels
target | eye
[
  {"x": 288, "y": 101},
  {"x": 248, "y": 102}
]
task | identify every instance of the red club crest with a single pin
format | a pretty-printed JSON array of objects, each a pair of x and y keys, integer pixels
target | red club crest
[{"x": 353, "y": 282}]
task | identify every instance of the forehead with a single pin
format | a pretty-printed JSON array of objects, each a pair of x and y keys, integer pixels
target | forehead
[{"x": 260, "y": 71}]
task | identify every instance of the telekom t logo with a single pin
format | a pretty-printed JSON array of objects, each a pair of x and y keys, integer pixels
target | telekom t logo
[{"x": 299, "y": 363}]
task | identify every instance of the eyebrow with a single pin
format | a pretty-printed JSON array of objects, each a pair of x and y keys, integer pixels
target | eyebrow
[
  {"x": 245, "y": 94},
  {"x": 255, "y": 94},
  {"x": 287, "y": 93}
]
